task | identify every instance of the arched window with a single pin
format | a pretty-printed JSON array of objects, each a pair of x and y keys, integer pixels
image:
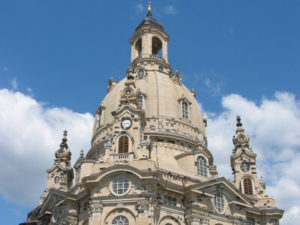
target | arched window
[
  {"x": 156, "y": 46},
  {"x": 138, "y": 47},
  {"x": 219, "y": 202},
  {"x": 201, "y": 166},
  {"x": 185, "y": 112},
  {"x": 120, "y": 220},
  {"x": 248, "y": 186},
  {"x": 123, "y": 144}
]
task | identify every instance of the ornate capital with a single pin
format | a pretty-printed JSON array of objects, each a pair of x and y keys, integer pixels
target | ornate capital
[
  {"x": 95, "y": 208},
  {"x": 195, "y": 217},
  {"x": 142, "y": 206}
]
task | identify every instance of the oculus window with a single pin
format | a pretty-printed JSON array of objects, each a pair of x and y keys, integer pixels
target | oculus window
[{"x": 120, "y": 186}]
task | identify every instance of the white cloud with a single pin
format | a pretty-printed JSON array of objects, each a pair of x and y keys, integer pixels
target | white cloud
[
  {"x": 214, "y": 88},
  {"x": 14, "y": 83},
  {"x": 170, "y": 10},
  {"x": 139, "y": 8},
  {"x": 30, "y": 133},
  {"x": 29, "y": 90},
  {"x": 274, "y": 129}
]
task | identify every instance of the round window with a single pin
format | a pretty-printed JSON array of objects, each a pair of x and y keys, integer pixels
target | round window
[
  {"x": 245, "y": 166},
  {"x": 120, "y": 186},
  {"x": 141, "y": 73}
]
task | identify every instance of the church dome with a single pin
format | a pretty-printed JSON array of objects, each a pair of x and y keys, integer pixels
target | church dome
[
  {"x": 151, "y": 108},
  {"x": 166, "y": 104},
  {"x": 161, "y": 95}
]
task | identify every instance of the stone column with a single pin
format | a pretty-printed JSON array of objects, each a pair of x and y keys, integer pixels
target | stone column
[
  {"x": 95, "y": 211},
  {"x": 142, "y": 209},
  {"x": 165, "y": 50}
]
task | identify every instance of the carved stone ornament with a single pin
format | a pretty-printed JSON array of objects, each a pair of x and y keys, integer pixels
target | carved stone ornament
[
  {"x": 142, "y": 206},
  {"x": 95, "y": 208},
  {"x": 239, "y": 222},
  {"x": 197, "y": 218}
]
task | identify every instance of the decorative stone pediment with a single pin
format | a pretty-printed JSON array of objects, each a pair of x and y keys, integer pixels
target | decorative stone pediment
[
  {"x": 221, "y": 185},
  {"x": 184, "y": 99},
  {"x": 52, "y": 198},
  {"x": 129, "y": 108}
]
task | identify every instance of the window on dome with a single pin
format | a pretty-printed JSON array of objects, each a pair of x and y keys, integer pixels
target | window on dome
[
  {"x": 185, "y": 112},
  {"x": 219, "y": 202},
  {"x": 120, "y": 220},
  {"x": 202, "y": 166},
  {"x": 248, "y": 186},
  {"x": 156, "y": 46},
  {"x": 123, "y": 144}
]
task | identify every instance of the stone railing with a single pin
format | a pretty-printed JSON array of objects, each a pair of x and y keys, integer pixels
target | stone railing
[
  {"x": 121, "y": 156},
  {"x": 157, "y": 57}
]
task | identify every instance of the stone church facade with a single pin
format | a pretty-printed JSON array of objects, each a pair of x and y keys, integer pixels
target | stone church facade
[{"x": 149, "y": 163}]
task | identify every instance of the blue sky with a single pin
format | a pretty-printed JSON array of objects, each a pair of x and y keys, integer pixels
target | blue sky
[{"x": 60, "y": 54}]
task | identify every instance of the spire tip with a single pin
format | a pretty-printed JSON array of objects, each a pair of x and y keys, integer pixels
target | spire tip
[
  {"x": 149, "y": 10},
  {"x": 238, "y": 119}
]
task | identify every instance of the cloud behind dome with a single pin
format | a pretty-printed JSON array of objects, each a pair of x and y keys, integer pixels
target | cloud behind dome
[{"x": 30, "y": 133}]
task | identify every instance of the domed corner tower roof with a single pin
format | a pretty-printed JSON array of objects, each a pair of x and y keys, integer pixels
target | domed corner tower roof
[{"x": 150, "y": 21}]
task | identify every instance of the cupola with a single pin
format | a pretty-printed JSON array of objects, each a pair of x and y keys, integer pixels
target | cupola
[{"x": 149, "y": 42}]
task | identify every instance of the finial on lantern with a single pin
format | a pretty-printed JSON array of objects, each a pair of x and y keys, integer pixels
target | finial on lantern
[{"x": 149, "y": 10}]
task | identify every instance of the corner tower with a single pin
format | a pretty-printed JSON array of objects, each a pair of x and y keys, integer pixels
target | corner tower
[
  {"x": 243, "y": 164},
  {"x": 61, "y": 174}
]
